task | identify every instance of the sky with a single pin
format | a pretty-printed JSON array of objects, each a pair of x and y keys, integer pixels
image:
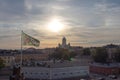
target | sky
[{"x": 83, "y": 22}]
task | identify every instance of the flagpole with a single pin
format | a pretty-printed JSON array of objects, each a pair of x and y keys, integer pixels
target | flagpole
[
  {"x": 50, "y": 68},
  {"x": 21, "y": 49},
  {"x": 50, "y": 75}
]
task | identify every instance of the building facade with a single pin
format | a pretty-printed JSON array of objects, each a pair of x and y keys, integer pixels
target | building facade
[
  {"x": 105, "y": 69},
  {"x": 64, "y": 73},
  {"x": 8, "y": 59}
]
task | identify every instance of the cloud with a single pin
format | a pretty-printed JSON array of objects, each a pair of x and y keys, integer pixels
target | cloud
[
  {"x": 85, "y": 22},
  {"x": 11, "y": 10}
]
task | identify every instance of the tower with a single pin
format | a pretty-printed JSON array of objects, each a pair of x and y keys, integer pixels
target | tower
[{"x": 64, "y": 42}]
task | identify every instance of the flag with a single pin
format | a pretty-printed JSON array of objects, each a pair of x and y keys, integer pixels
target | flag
[{"x": 28, "y": 40}]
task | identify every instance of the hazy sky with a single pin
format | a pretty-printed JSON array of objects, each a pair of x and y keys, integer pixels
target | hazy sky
[{"x": 84, "y": 22}]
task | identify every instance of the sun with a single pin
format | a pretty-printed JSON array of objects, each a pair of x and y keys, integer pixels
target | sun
[{"x": 55, "y": 25}]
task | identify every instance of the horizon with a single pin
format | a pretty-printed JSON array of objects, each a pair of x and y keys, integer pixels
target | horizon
[
  {"x": 83, "y": 22},
  {"x": 29, "y": 47}
]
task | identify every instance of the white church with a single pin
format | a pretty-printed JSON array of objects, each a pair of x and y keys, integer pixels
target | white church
[{"x": 64, "y": 44}]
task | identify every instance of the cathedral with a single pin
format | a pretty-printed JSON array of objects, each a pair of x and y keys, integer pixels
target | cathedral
[{"x": 64, "y": 44}]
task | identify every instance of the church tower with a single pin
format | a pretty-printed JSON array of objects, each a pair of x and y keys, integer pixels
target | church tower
[{"x": 64, "y": 42}]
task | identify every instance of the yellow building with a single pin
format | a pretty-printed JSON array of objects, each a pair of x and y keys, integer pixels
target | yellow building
[{"x": 8, "y": 59}]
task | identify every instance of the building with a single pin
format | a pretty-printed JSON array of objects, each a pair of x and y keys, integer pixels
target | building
[
  {"x": 63, "y": 73},
  {"x": 8, "y": 59},
  {"x": 67, "y": 70},
  {"x": 27, "y": 56},
  {"x": 34, "y": 54},
  {"x": 48, "y": 50},
  {"x": 111, "y": 49},
  {"x": 64, "y": 44},
  {"x": 105, "y": 69}
]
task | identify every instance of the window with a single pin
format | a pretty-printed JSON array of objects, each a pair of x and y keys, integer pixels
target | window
[
  {"x": 25, "y": 72},
  {"x": 55, "y": 74},
  {"x": 71, "y": 73},
  {"x": 78, "y": 72}
]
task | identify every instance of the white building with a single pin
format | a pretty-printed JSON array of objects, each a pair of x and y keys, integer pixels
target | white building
[
  {"x": 55, "y": 73},
  {"x": 64, "y": 43}
]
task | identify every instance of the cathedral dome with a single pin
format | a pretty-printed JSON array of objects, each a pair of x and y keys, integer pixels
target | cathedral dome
[{"x": 64, "y": 38}]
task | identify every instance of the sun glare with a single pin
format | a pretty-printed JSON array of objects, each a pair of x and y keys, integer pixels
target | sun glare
[{"x": 55, "y": 25}]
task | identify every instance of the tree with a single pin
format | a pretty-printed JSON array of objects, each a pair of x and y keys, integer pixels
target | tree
[
  {"x": 61, "y": 53},
  {"x": 1, "y": 63},
  {"x": 86, "y": 51},
  {"x": 73, "y": 54},
  {"x": 100, "y": 55}
]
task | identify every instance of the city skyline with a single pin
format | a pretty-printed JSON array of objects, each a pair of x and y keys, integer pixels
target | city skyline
[{"x": 82, "y": 22}]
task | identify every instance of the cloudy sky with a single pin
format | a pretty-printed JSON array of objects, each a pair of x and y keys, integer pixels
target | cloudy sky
[{"x": 82, "y": 22}]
